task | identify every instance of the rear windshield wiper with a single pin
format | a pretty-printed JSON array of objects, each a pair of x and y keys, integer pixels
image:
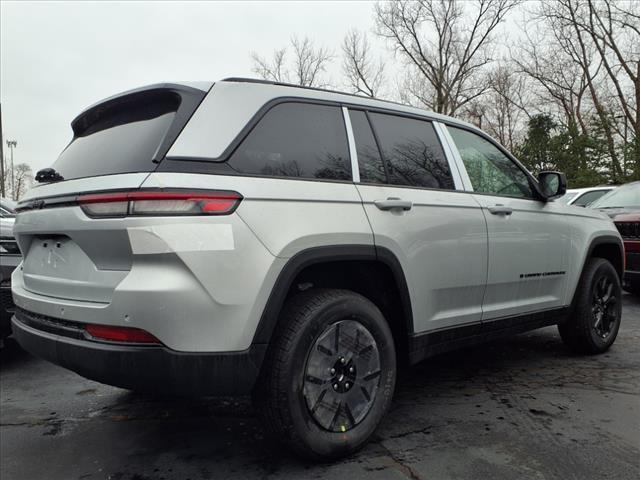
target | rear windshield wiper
[{"x": 48, "y": 175}]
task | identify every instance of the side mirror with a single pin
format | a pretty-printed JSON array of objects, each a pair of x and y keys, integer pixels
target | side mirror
[{"x": 552, "y": 184}]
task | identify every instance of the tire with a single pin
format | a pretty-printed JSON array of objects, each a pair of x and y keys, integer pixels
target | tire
[
  {"x": 290, "y": 399},
  {"x": 583, "y": 332}
]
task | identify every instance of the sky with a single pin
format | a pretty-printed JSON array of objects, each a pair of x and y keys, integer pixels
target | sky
[{"x": 56, "y": 58}]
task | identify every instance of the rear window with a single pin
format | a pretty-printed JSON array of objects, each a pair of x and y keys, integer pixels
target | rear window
[
  {"x": 296, "y": 140},
  {"x": 412, "y": 152},
  {"x": 119, "y": 138}
]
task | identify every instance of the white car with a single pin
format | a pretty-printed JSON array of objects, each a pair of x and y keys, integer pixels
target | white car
[
  {"x": 297, "y": 244},
  {"x": 9, "y": 260},
  {"x": 583, "y": 197}
]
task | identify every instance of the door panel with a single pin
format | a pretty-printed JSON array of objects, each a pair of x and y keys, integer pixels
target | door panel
[
  {"x": 441, "y": 243},
  {"x": 528, "y": 256},
  {"x": 528, "y": 238}
]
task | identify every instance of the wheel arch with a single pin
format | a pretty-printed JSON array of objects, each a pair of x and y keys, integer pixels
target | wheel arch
[
  {"x": 609, "y": 247},
  {"x": 336, "y": 256}
]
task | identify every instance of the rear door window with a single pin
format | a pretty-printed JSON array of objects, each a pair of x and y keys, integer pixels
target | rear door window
[
  {"x": 296, "y": 140},
  {"x": 412, "y": 152}
]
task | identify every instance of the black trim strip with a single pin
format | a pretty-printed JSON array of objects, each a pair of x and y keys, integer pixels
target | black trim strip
[{"x": 432, "y": 343}]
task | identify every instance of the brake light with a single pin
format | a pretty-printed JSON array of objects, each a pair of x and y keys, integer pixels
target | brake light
[
  {"x": 121, "y": 334},
  {"x": 159, "y": 203}
]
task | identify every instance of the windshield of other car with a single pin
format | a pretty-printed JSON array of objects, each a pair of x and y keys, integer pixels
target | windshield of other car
[{"x": 626, "y": 196}]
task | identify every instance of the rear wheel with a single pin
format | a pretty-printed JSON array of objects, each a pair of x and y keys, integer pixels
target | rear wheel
[
  {"x": 329, "y": 375},
  {"x": 597, "y": 309}
]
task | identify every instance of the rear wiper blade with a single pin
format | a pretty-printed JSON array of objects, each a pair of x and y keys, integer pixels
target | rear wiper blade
[{"x": 48, "y": 175}]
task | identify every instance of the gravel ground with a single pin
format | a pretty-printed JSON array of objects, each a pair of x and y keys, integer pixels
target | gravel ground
[{"x": 518, "y": 408}]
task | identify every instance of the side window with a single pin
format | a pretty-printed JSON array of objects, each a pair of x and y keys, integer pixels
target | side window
[
  {"x": 369, "y": 160},
  {"x": 412, "y": 152},
  {"x": 490, "y": 170},
  {"x": 296, "y": 140},
  {"x": 589, "y": 197}
]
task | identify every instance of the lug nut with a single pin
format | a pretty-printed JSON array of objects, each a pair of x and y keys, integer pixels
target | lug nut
[
  {"x": 335, "y": 386},
  {"x": 350, "y": 369},
  {"x": 342, "y": 360},
  {"x": 346, "y": 385},
  {"x": 332, "y": 371}
]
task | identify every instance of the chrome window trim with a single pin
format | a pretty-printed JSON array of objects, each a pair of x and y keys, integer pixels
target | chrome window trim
[
  {"x": 353, "y": 152},
  {"x": 458, "y": 170}
]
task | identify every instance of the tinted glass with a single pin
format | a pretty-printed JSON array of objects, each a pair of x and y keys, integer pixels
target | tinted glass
[
  {"x": 626, "y": 196},
  {"x": 567, "y": 197},
  {"x": 589, "y": 197},
  {"x": 490, "y": 170},
  {"x": 369, "y": 160},
  {"x": 123, "y": 140},
  {"x": 412, "y": 151},
  {"x": 296, "y": 140}
]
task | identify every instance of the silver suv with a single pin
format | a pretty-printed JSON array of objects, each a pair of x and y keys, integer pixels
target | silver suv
[{"x": 297, "y": 244}]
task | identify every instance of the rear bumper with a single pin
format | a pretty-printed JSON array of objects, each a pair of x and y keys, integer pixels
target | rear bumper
[{"x": 137, "y": 367}]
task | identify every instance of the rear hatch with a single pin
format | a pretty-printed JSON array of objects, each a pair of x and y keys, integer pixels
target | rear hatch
[{"x": 116, "y": 144}]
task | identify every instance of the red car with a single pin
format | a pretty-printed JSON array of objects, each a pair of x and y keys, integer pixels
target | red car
[
  {"x": 623, "y": 206},
  {"x": 629, "y": 227}
]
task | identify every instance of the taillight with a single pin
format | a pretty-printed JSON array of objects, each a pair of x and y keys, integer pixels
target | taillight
[
  {"x": 121, "y": 334},
  {"x": 159, "y": 203}
]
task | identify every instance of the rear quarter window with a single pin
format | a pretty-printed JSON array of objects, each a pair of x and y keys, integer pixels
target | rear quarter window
[{"x": 296, "y": 140}]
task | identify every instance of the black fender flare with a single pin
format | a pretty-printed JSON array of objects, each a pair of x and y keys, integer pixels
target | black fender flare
[
  {"x": 595, "y": 242},
  {"x": 332, "y": 253}
]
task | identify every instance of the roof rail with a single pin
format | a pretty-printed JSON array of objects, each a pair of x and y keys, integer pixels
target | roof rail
[{"x": 284, "y": 84}]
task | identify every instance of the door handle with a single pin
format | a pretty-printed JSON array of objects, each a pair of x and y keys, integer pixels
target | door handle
[
  {"x": 501, "y": 210},
  {"x": 392, "y": 202}
]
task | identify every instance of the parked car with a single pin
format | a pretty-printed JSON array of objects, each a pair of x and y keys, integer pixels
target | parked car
[
  {"x": 583, "y": 197},
  {"x": 623, "y": 206},
  {"x": 9, "y": 259},
  {"x": 297, "y": 244}
]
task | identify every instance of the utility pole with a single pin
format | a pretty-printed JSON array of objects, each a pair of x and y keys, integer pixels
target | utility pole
[
  {"x": 2, "y": 180},
  {"x": 12, "y": 144}
]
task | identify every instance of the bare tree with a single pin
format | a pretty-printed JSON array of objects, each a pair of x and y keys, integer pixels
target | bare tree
[
  {"x": 503, "y": 110},
  {"x": 23, "y": 178},
  {"x": 562, "y": 82},
  {"x": 307, "y": 68},
  {"x": 600, "y": 44},
  {"x": 274, "y": 69},
  {"x": 362, "y": 73},
  {"x": 446, "y": 44}
]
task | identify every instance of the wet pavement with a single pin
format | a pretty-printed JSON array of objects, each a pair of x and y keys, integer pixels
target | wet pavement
[{"x": 517, "y": 408}]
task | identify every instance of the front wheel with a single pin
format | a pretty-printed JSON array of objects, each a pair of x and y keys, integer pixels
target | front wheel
[
  {"x": 329, "y": 374},
  {"x": 597, "y": 309}
]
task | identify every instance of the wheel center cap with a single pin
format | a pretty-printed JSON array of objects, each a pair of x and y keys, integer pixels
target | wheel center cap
[{"x": 344, "y": 375}]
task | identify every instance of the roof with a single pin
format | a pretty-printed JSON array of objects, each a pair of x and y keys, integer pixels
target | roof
[
  {"x": 351, "y": 98},
  {"x": 208, "y": 133}
]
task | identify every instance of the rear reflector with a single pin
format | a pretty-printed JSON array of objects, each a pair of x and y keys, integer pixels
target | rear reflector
[
  {"x": 121, "y": 334},
  {"x": 159, "y": 203}
]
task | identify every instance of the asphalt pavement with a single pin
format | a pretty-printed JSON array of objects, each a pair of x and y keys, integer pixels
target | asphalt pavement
[{"x": 517, "y": 408}]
